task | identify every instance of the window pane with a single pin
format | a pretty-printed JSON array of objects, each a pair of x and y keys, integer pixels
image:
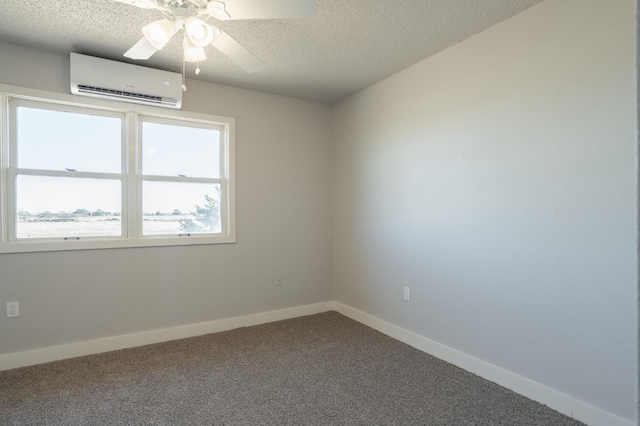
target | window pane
[
  {"x": 177, "y": 208},
  {"x": 68, "y": 207},
  {"x": 170, "y": 150},
  {"x": 56, "y": 140}
]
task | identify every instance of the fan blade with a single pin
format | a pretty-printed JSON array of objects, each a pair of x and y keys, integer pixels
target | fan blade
[
  {"x": 141, "y": 50},
  {"x": 269, "y": 9},
  {"x": 236, "y": 52},
  {"x": 142, "y": 4}
]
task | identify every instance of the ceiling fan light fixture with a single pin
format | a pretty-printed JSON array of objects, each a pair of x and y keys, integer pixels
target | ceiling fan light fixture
[
  {"x": 199, "y": 33},
  {"x": 193, "y": 17},
  {"x": 193, "y": 53},
  {"x": 159, "y": 33}
]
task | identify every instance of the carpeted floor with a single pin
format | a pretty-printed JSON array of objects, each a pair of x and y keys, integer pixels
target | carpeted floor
[{"x": 322, "y": 369}]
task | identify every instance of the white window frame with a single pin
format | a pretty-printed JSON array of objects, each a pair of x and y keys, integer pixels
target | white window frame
[
  {"x": 131, "y": 177},
  {"x": 141, "y": 177}
]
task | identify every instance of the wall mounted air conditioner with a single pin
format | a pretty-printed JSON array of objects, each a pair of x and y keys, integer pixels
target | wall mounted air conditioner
[{"x": 101, "y": 78}]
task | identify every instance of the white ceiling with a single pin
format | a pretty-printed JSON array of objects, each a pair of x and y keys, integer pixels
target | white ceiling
[{"x": 350, "y": 45}]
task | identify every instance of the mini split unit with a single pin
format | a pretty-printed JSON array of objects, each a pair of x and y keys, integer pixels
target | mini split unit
[{"x": 101, "y": 78}]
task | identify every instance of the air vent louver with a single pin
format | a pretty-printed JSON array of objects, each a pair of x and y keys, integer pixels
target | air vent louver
[{"x": 128, "y": 95}]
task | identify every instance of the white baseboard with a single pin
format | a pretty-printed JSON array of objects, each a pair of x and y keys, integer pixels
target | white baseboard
[
  {"x": 558, "y": 401},
  {"x": 90, "y": 347}
]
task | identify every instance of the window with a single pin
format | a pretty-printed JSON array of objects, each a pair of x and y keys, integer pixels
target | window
[
  {"x": 77, "y": 176},
  {"x": 66, "y": 171},
  {"x": 181, "y": 178}
]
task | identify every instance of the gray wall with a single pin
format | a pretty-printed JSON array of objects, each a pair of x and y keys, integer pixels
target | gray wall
[
  {"x": 497, "y": 179},
  {"x": 283, "y": 226}
]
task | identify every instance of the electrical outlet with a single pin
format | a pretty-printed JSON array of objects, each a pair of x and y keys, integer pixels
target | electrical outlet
[
  {"x": 407, "y": 293},
  {"x": 13, "y": 309},
  {"x": 278, "y": 280}
]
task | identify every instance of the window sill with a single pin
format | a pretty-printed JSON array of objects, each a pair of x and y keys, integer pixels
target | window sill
[{"x": 112, "y": 243}]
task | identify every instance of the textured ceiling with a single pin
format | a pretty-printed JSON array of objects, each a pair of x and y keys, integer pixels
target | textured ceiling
[{"x": 350, "y": 45}]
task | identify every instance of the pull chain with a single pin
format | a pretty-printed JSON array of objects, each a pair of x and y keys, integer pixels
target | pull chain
[{"x": 184, "y": 79}]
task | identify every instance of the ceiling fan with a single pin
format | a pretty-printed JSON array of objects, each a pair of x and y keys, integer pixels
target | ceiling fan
[{"x": 194, "y": 16}]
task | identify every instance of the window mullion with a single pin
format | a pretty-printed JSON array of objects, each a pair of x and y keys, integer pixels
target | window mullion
[{"x": 131, "y": 169}]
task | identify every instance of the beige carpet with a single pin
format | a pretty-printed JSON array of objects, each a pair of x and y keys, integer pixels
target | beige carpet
[{"x": 318, "y": 370}]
